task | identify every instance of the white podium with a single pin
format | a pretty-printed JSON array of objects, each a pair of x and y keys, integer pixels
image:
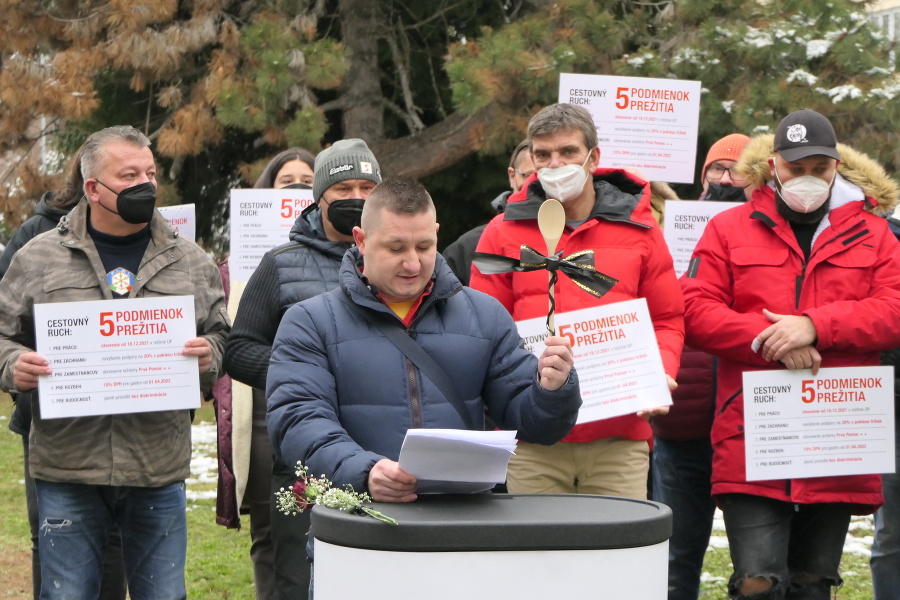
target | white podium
[{"x": 495, "y": 546}]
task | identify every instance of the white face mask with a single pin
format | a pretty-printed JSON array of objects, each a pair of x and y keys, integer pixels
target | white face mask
[
  {"x": 564, "y": 183},
  {"x": 804, "y": 194}
]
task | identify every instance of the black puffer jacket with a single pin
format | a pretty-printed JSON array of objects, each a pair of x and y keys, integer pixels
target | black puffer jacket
[
  {"x": 305, "y": 267},
  {"x": 44, "y": 219}
]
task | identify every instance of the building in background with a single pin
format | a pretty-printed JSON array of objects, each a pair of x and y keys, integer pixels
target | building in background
[{"x": 885, "y": 15}]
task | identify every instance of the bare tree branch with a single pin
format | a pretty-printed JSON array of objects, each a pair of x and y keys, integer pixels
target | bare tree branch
[
  {"x": 436, "y": 147},
  {"x": 339, "y": 103},
  {"x": 401, "y": 63}
]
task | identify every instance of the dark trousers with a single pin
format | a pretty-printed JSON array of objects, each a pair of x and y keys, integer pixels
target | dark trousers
[
  {"x": 280, "y": 567},
  {"x": 886, "y": 545},
  {"x": 784, "y": 542},
  {"x": 289, "y": 535},
  {"x": 681, "y": 473}
]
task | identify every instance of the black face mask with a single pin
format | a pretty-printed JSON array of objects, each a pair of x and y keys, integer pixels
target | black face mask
[
  {"x": 297, "y": 186},
  {"x": 345, "y": 214},
  {"x": 716, "y": 192},
  {"x": 134, "y": 204}
]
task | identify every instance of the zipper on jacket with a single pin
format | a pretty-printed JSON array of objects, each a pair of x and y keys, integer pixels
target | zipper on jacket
[
  {"x": 802, "y": 277},
  {"x": 799, "y": 286},
  {"x": 715, "y": 387},
  {"x": 727, "y": 402},
  {"x": 415, "y": 401},
  {"x": 414, "y": 394}
]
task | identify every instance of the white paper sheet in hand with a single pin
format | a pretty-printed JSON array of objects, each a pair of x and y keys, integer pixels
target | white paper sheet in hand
[{"x": 456, "y": 461}]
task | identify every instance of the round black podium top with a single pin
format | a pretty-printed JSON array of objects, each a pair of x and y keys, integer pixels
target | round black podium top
[{"x": 494, "y": 522}]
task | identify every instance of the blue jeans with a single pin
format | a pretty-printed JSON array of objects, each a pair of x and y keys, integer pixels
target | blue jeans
[
  {"x": 885, "y": 561},
  {"x": 797, "y": 547},
  {"x": 681, "y": 480},
  {"x": 113, "y": 586},
  {"x": 75, "y": 523}
]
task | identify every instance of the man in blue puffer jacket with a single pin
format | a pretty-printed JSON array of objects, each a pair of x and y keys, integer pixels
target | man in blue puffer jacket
[{"x": 341, "y": 396}]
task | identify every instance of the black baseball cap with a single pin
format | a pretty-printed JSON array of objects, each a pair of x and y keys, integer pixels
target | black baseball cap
[{"x": 805, "y": 133}]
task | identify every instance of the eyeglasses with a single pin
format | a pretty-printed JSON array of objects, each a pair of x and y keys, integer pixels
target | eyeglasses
[
  {"x": 523, "y": 173},
  {"x": 716, "y": 172}
]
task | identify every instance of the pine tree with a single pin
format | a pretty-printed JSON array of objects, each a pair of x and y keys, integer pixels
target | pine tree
[
  {"x": 757, "y": 61},
  {"x": 440, "y": 89},
  {"x": 760, "y": 61},
  {"x": 222, "y": 85}
]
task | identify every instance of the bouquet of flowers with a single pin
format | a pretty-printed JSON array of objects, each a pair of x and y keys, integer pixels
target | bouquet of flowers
[{"x": 312, "y": 490}]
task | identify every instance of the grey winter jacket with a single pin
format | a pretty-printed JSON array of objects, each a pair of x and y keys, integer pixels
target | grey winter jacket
[
  {"x": 147, "y": 449},
  {"x": 341, "y": 396}
]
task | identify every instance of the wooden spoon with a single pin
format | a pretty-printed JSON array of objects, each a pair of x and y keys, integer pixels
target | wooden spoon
[{"x": 551, "y": 222}]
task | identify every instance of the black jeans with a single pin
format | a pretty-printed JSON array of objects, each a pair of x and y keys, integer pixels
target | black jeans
[
  {"x": 289, "y": 536},
  {"x": 785, "y": 543},
  {"x": 681, "y": 479}
]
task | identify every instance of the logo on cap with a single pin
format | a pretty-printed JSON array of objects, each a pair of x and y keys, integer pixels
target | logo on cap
[
  {"x": 340, "y": 169},
  {"x": 797, "y": 134},
  {"x": 365, "y": 167}
]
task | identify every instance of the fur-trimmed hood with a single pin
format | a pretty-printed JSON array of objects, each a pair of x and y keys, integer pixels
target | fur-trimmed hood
[
  {"x": 856, "y": 167},
  {"x": 659, "y": 193}
]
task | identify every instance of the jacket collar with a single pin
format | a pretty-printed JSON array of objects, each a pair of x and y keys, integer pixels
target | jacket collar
[
  {"x": 444, "y": 283},
  {"x": 73, "y": 228},
  {"x": 844, "y": 212},
  {"x": 307, "y": 230},
  {"x": 620, "y": 196}
]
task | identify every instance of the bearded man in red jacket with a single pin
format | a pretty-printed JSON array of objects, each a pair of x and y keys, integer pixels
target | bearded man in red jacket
[
  {"x": 607, "y": 210},
  {"x": 801, "y": 276}
]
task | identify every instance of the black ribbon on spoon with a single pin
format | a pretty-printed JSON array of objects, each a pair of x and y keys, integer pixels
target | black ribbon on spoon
[{"x": 578, "y": 266}]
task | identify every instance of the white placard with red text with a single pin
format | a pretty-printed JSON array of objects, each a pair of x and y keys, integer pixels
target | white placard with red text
[
  {"x": 643, "y": 123},
  {"x": 685, "y": 222},
  {"x": 261, "y": 220},
  {"x": 116, "y": 356},
  {"x": 619, "y": 367},
  {"x": 837, "y": 422},
  {"x": 182, "y": 218}
]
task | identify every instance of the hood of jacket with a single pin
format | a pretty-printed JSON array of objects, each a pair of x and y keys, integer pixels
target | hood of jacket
[
  {"x": 855, "y": 167},
  {"x": 621, "y": 196},
  {"x": 659, "y": 193},
  {"x": 499, "y": 203},
  {"x": 51, "y": 212},
  {"x": 308, "y": 230}
]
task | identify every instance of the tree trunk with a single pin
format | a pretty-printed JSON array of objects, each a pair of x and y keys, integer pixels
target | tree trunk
[{"x": 363, "y": 115}]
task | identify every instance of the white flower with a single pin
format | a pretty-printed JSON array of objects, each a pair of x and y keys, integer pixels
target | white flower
[{"x": 318, "y": 490}]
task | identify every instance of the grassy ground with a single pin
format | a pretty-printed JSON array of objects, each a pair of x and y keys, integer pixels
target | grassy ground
[
  {"x": 218, "y": 565},
  {"x": 218, "y": 559}
]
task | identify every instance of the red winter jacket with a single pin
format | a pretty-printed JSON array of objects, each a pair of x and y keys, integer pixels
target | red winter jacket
[
  {"x": 748, "y": 259},
  {"x": 628, "y": 245}
]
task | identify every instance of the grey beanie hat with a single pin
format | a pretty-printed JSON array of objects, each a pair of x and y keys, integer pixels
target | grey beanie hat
[{"x": 345, "y": 159}]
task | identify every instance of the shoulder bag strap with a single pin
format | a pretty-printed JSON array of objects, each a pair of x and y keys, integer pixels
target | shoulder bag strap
[{"x": 416, "y": 354}]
